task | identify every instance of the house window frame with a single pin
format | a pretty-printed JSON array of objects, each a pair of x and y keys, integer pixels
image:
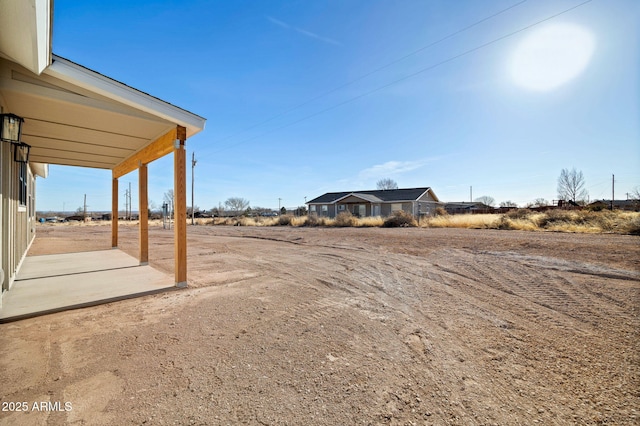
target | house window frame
[
  {"x": 23, "y": 182},
  {"x": 395, "y": 208}
]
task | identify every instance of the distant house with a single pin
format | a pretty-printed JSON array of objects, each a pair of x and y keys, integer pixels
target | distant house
[
  {"x": 416, "y": 201},
  {"x": 462, "y": 207},
  {"x": 629, "y": 205}
]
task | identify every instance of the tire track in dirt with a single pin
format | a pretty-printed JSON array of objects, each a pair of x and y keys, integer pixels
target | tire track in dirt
[{"x": 543, "y": 295}]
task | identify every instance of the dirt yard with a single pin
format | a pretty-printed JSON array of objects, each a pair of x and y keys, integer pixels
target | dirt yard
[{"x": 297, "y": 326}]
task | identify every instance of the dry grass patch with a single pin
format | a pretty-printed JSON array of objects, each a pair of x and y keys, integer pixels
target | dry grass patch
[
  {"x": 370, "y": 222},
  {"x": 468, "y": 221},
  {"x": 579, "y": 221}
]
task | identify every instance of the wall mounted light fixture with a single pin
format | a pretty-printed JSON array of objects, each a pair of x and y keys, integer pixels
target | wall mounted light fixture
[{"x": 11, "y": 131}]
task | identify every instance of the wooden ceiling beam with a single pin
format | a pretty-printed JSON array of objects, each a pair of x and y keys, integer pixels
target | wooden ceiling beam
[{"x": 162, "y": 146}]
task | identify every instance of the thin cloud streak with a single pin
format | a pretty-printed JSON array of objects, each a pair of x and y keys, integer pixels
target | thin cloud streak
[
  {"x": 391, "y": 168},
  {"x": 303, "y": 31}
]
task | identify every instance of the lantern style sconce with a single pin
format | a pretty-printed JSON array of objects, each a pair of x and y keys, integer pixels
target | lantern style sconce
[
  {"x": 11, "y": 131},
  {"x": 21, "y": 152}
]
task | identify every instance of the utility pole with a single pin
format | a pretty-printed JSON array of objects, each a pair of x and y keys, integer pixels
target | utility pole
[
  {"x": 279, "y": 199},
  {"x": 471, "y": 194},
  {"x": 85, "y": 207},
  {"x": 613, "y": 186},
  {"x": 126, "y": 203},
  {"x": 193, "y": 165},
  {"x": 129, "y": 201}
]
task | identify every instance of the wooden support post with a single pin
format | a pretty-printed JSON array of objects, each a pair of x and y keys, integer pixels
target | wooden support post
[
  {"x": 144, "y": 214},
  {"x": 180, "y": 208},
  {"x": 114, "y": 213}
]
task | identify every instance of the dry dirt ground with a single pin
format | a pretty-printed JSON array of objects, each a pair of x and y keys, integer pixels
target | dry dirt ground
[{"x": 345, "y": 326}]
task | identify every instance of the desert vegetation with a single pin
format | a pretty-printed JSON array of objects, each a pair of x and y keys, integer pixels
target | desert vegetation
[{"x": 580, "y": 221}]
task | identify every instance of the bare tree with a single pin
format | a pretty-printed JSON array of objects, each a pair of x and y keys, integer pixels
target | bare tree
[
  {"x": 508, "y": 204},
  {"x": 236, "y": 205},
  {"x": 485, "y": 199},
  {"x": 538, "y": 202},
  {"x": 387, "y": 183},
  {"x": 635, "y": 193},
  {"x": 571, "y": 186}
]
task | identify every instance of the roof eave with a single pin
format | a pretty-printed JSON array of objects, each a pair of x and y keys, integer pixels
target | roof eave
[{"x": 85, "y": 78}]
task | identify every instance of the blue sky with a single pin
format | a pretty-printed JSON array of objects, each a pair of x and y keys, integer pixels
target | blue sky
[{"x": 289, "y": 115}]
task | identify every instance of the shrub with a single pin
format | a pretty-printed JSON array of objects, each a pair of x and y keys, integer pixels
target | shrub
[
  {"x": 313, "y": 220},
  {"x": 504, "y": 222},
  {"x": 345, "y": 219},
  {"x": 285, "y": 220},
  {"x": 632, "y": 226},
  {"x": 553, "y": 217},
  {"x": 518, "y": 214},
  {"x": 440, "y": 211},
  {"x": 399, "y": 218}
]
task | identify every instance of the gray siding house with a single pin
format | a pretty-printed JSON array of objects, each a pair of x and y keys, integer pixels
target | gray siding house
[{"x": 417, "y": 201}]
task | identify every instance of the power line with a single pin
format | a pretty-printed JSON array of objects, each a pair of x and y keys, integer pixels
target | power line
[
  {"x": 363, "y": 76},
  {"x": 408, "y": 76}
]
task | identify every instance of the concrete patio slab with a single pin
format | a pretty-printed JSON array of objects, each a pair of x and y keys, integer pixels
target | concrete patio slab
[{"x": 53, "y": 283}]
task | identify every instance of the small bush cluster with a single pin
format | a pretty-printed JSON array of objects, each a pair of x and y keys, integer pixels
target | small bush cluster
[
  {"x": 345, "y": 219},
  {"x": 285, "y": 219},
  {"x": 400, "y": 219}
]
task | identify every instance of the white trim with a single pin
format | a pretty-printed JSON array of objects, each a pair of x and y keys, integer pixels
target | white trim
[
  {"x": 44, "y": 12},
  {"x": 85, "y": 78}
]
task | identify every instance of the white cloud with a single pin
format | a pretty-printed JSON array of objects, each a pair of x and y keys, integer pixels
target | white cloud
[
  {"x": 279, "y": 22},
  {"x": 303, "y": 31},
  {"x": 391, "y": 168}
]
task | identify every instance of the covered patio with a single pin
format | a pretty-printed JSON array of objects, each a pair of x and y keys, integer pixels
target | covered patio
[
  {"x": 74, "y": 116},
  {"x": 57, "y": 282}
]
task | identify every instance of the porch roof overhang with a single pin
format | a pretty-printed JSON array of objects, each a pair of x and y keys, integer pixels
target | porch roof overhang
[{"x": 75, "y": 116}]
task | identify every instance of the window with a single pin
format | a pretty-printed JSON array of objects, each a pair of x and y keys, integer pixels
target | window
[
  {"x": 341, "y": 207},
  {"x": 312, "y": 208},
  {"x": 325, "y": 208},
  {"x": 396, "y": 206},
  {"x": 22, "y": 182}
]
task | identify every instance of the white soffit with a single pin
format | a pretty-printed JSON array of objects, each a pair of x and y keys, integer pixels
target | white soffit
[
  {"x": 66, "y": 124},
  {"x": 85, "y": 78},
  {"x": 25, "y": 33}
]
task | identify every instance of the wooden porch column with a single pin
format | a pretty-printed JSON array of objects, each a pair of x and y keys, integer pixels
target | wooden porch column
[
  {"x": 114, "y": 213},
  {"x": 180, "y": 207},
  {"x": 144, "y": 214}
]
